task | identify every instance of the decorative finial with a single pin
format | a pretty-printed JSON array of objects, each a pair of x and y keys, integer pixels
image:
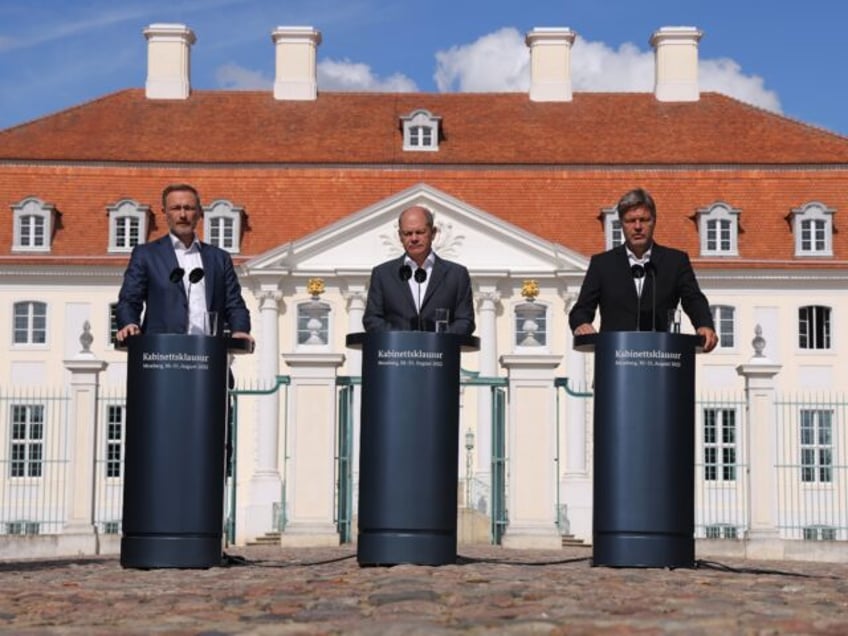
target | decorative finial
[
  {"x": 530, "y": 289},
  {"x": 315, "y": 287},
  {"x": 759, "y": 343},
  {"x": 86, "y": 338}
]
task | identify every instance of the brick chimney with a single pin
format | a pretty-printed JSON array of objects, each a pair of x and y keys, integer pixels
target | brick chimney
[
  {"x": 296, "y": 76},
  {"x": 676, "y": 64},
  {"x": 550, "y": 63},
  {"x": 168, "y": 61}
]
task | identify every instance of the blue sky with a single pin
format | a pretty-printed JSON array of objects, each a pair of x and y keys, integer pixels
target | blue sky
[{"x": 784, "y": 56}]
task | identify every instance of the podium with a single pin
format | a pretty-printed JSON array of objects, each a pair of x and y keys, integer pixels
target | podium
[
  {"x": 644, "y": 448},
  {"x": 409, "y": 446},
  {"x": 175, "y": 448}
]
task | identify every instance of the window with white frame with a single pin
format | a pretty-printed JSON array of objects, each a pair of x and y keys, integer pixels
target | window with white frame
[
  {"x": 816, "y": 432},
  {"x": 27, "y": 440},
  {"x": 113, "y": 323},
  {"x": 531, "y": 324},
  {"x": 613, "y": 234},
  {"x": 222, "y": 225},
  {"x": 115, "y": 416},
  {"x": 724, "y": 320},
  {"x": 33, "y": 221},
  {"x": 718, "y": 227},
  {"x": 127, "y": 225},
  {"x": 313, "y": 323},
  {"x": 421, "y": 131},
  {"x": 814, "y": 327},
  {"x": 812, "y": 225},
  {"x": 30, "y": 323},
  {"x": 719, "y": 444},
  {"x": 23, "y": 527}
]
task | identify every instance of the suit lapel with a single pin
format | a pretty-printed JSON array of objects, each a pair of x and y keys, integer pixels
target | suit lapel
[
  {"x": 404, "y": 290},
  {"x": 168, "y": 258},
  {"x": 436, "y": 278},
  {"x": 208, "y": 273}
]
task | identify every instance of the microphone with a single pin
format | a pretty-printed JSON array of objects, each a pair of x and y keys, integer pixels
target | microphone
[
  {"x": 420, "y": 277},
  {"x": 650, "y": 267},
  {"x": 405, "y": 273},
  {"x": 194, "y": 276},
  {"x": 176, "y": 275},
  {"x": 638, "y": 272}
]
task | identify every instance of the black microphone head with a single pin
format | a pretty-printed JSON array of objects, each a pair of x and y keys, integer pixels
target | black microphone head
[
  {"x": 405, "y": 273},
  {"x": 650, "y": 267},
  {"x": 638, "y": 271},
  {"x": 195, "y": 275},
  {"x": 177, "y": 274},
  {"x": 420, "y": 275}
]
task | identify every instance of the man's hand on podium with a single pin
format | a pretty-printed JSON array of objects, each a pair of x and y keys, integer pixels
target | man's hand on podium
[{"x": 246, "y": 336}]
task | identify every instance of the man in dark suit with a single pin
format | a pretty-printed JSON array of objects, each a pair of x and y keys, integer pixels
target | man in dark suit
[
  {"x": 404, "y": 293},
  {"x": 639, "y": 284},
  {"x": 177, "y": 279}
]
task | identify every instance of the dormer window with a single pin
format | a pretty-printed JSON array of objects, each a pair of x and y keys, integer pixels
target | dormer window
[
  {"x": 812, "y": 225},
  {"x": 718, "y": 227},
  {"x": 33, "y": 221},
  {"x": 421, "y": 131},
  {"x": 222, "y": 225},
  {"x": 127, "y": 225}
]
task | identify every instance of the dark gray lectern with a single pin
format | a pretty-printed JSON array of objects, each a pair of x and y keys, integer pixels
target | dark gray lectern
[
  {"x": 409, "y": 446},
  {"x": 644, "y": 459},
  {"x": 175, "y": 448}
]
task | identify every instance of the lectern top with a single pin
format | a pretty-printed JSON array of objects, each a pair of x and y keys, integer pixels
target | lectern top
[
  {"x": 236, "y": 346},
  {"x": 465, "y": 343},
  {"x": 587, "y": 342}
]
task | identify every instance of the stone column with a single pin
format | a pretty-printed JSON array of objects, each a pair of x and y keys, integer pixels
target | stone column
[
  {"x": 265, "y": 486},
  {"x": 487, "y": 313},
  {"x": 311, "y": 450},
  {"x": 79, "y": 535},
  {"x": 531, "y": 452},
  {"x": 763, "y": 536}
]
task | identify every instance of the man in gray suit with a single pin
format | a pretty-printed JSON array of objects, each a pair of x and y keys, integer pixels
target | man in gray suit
[{"x": 405, "y": 292}]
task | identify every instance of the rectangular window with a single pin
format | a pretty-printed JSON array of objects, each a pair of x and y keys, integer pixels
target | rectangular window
[
  {"x": 816, "y": 433},
  {"x": 127, "y": 231},
  {"x": 221, "y": 233},
  {"x": 113, "y": 323},
  {"x": 719, "y": 444},
  {"x": 814, "y": 327},
  {"x": 22, "y": 527},
  {"x": 27, "y": 440},
  {"x": 723, "y": 317},
  {"x": 813, "y": 235},
  {"x": 819, "y": 533},
  {"x": 32, "y": 231},
  {"x": 719, "y": 235},
  {"x": 30, "y": 323},
  {"x": 114, "y": 439},
  {"x": 721, "y": 532}
]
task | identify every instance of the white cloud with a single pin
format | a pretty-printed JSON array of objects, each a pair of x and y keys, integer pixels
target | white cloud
[
  {"x": 234, "y": 77},
  {"x": 500, "y": 61},
  {"x": 344, "y": 75},
  {"x": 497, "y": 62}
]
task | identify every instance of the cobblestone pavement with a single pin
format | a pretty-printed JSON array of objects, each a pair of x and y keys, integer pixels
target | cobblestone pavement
[{"x": 490, "y": 590}]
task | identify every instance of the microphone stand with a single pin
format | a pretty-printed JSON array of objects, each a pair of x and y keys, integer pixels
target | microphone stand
[
  {"x": 420, "y": 277},
  {"x": 638, "y": 273}
]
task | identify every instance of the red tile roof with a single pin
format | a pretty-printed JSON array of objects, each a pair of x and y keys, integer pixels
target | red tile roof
[{"x": 549, "y": 168}]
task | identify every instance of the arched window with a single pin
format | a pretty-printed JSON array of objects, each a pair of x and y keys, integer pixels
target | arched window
[
  {"x": 128, "y": 221},
  {"x": 613, "y": 235},
  {"x": 222, "y": 222},
  {"x": 421, "y": 131},
  {"x": 531, "y": 324},
  {"x": 718, "y": 227},
  {"x": 814, "y": 327},
  {"x": 34, "y": 221},
  {"x": 30, "y": 323},
  {"x": 812, "y": 225}
]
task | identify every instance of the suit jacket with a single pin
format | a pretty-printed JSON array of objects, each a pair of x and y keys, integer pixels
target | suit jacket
[
  {"x": 668, "y": 280},
  {"x": 391, "y": 304},
  {"x": 147, "y": 284}
]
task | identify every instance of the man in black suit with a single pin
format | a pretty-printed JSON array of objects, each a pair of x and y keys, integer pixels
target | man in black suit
[
  {"x": 177, "y": 279},
  {"x": 638, "y": 284},
  {"x": 404, "y": 293}
]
